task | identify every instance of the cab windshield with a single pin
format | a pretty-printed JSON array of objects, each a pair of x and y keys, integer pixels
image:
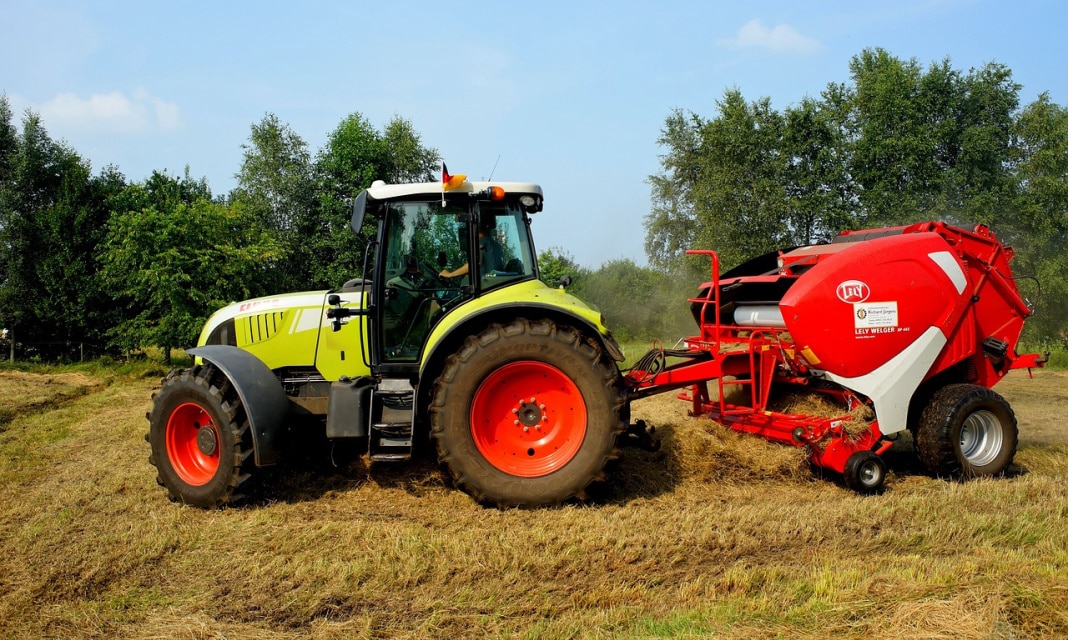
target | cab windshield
[{"x": 437, "y": 257}]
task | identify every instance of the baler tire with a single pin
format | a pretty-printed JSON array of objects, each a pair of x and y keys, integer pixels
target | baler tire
[
  {"x": 865, "y": 472},
  {"x": 200, "y": 437},
  {"x": 967, "y": 431},
  {"x": 527, "y": 414}
]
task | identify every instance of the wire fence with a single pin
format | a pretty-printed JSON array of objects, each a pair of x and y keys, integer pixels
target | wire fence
[{"x": 49, "y": 350}]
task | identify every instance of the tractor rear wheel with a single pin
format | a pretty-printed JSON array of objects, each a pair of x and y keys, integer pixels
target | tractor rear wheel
[
  {"x": 966, "y": 431},
  {"x": 200, "y": 438},
  {"x": 527, "y": 414}
]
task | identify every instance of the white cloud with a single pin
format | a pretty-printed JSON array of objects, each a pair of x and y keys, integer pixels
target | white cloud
[
  {"x": 781, "y": 39},
  {"x": 113, "y": 112}
]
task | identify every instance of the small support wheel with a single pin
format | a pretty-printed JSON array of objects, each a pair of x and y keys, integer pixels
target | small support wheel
[{"x": 865, "y": 472}]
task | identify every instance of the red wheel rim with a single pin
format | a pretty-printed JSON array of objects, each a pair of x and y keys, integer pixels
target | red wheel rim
[
  {"x": 193, "y": 444},
  {"x": 528, "y": 419}
]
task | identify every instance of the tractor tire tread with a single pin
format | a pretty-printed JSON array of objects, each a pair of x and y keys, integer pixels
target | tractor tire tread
[
  {"x": 214, "y": 388},
  {"x": 444, "y": 401}
]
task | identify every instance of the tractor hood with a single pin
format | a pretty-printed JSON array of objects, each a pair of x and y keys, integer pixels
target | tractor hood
[{"x": 258, "y": 317}]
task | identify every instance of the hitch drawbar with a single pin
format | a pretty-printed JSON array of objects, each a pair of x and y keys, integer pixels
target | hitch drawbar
[{"x": 641, "y": 435}]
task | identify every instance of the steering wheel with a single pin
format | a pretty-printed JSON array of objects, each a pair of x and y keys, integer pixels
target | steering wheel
[{"x": 430, "y": 272}]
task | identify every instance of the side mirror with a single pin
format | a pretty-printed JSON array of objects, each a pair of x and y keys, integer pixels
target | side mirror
[{"x": 359, "y": 207}]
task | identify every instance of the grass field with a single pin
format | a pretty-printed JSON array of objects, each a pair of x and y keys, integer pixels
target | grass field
[{"x": 716, "y": 535}]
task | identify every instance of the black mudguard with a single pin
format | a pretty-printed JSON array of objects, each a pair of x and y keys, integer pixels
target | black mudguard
[{"x": 261, "y": 394}]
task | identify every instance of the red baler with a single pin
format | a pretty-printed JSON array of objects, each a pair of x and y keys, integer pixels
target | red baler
[{"x": 898, "y": 328}]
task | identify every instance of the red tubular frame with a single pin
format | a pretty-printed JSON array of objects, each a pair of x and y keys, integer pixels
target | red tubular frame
[{"x": 757, "y": 358}]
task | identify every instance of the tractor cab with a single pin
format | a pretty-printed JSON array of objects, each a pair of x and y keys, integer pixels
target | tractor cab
[{"x": 434, "y": 251}]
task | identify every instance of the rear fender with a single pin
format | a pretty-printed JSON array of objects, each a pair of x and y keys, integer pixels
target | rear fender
[
  {"x": 261, "y": 394},
  {"x": 503, "y": 313}
]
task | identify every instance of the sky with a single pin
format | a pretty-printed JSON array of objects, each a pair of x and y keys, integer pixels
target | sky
[{"x": 570, "y": 95}]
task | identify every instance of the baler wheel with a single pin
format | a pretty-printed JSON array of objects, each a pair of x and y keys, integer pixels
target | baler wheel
[
  {"x": 865, "y": 472},
  {"x": 200, "y": 438},
  {"x": 527, "y": 414},
  {"x": 966, "y": 431}
]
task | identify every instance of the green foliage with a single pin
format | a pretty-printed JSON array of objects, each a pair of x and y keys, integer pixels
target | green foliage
[
  {"x": 52, "y": 215},
  {"x": 899, "y": 144},
  {"x": 274, "y": 181},
  {"x": 354, "y": 156},
  {"x": 722, "y": 187},
  {"x": 638, "y": 303},
  {"x": 92, "y": 258},
  {"x": 1041, "y": 226},
  {"x": 173, "y": 267},
  {"x": 930, "y": 143},
  {"x": 275, "y": 185},
  {"x": 555, "y": 263}
]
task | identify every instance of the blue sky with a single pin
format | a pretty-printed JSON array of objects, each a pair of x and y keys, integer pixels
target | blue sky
[{"x": 571, "y": 95}]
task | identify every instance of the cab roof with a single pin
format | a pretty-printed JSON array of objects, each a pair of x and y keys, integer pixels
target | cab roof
[{"x": 379, "y": 190}]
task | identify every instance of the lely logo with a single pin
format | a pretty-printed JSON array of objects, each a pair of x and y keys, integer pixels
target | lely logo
[{"x": 853, "y": 291}]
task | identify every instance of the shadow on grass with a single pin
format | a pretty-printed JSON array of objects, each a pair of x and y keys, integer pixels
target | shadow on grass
[
  {"x": 326, "y": 468},
  {"x": 903, "y": 463},
  {"x": 637, "y": 474}
]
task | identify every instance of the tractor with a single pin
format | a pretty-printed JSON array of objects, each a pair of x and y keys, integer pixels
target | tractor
[{"x": 449, "y": 339}]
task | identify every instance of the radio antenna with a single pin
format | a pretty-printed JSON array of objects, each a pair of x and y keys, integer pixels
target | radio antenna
[{"x": 494, "y": 169}]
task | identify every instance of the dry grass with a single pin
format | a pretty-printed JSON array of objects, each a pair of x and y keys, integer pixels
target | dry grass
[
  {"x": 27, "y": 392},
  {"x": 717, "y": 535}
]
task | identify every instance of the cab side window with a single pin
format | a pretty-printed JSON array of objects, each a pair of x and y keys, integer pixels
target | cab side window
[{"x": 504, "y": 250}]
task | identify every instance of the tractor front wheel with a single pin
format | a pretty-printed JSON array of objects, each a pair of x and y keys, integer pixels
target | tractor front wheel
[
  {"x": 966, "y": 431},
  {"x": 200, "y": 437},
  {"x": 527, "y": 414}
]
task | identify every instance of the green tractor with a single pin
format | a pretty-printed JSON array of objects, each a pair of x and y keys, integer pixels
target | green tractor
[{"x": 452, "y": 341}]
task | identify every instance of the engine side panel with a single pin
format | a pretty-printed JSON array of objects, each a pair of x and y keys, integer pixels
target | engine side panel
[{"x": 292, "y": 330}]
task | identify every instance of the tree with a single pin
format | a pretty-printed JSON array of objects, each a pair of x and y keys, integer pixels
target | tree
[
  {"x": 406, "y": 159},
  {"x": 819, "y": 188},
  {"x": 9, "y": 147},
  {"x": 355, "y": 155},
  {"x": 275, "y": 185},
  {"x": 930, "y": 143},
  {"x": 51, "y": 220},
  {"x": 1041, "y": 224},
  {"x": 723, "y": 184},
  {"x": 639, "y": 303},
  {"x": 899, "y": 144},
  {"x": 554, "y": 263},
  {"x": 8, "y": 141},
  {"x": 174, "y": 267},
  {"x": 274, "y": 180}
]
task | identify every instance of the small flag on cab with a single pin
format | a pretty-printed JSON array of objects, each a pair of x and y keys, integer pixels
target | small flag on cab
[{"x": 449, "y": 182}]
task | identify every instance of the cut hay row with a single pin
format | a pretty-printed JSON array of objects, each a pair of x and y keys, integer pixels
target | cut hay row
[{"x": 719, "y": 534}]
